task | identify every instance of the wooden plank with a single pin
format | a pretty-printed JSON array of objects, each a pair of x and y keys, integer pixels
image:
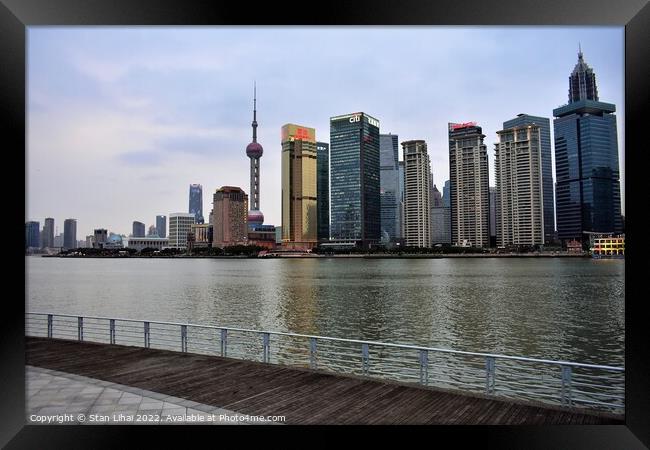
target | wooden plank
[{"x": 303, "y": 396}]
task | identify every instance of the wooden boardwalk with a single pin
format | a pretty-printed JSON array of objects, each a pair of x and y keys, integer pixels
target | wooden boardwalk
[{"x": 303, "y": 396}]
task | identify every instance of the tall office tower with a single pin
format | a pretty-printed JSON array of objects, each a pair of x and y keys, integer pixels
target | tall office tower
[
  {"x": 400, "y": 174},
  {"x": 69, "y": 234},
  {"x": 229, "y": 216},
  {"x": 161, "y": 226},
  {"x": 587, "y": 190},
  {"x": 299, "y": 194},
  {"x": 32, "y": 234},
  {"x": 519, "y": 187},
  {"x": 323, "y": 190},
  {"x": 582, "y": 81},
  {"x": 354, "y": 187},
  {"x": 417, "y": 190},
  {"x": 254, "y": 151},
  {"x": 138, "y": 229},
  {"x": 100, "y": 237},
  {"x": 493, "y": 216},
  {"x": 438, "y": 229},
  {"x": 446, "y": 194},
  {"x": 544, "y": 125},
  {"x": 468, "y": 174},
  {"x": 152, "y": 231},
  {"x": 196, "y": 202},
  {"x": 436, "y": 197},
  {"x": 58, "y": 241},
  {"x": 179, "y": 227},
  {"x": 389, "y": 189},
  {"x": 48, "y": 233}
]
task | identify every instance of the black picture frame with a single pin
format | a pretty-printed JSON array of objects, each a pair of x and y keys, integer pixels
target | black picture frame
[{"x": 16, "y": 15}]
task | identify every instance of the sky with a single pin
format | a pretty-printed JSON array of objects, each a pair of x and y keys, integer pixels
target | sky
[{"x": 121, "y": 120}]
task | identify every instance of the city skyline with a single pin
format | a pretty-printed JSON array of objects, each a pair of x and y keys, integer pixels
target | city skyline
[{"x": 114, "y": 133}]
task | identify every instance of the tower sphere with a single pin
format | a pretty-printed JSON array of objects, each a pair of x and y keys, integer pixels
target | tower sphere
[{"x": 254, "y": 150}]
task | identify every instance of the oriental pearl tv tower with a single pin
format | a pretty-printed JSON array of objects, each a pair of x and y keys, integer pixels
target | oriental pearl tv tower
[{"x": 254, "y": 151}]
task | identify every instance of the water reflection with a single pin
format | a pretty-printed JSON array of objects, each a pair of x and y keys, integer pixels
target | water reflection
[{"x": 550, "y": 308}]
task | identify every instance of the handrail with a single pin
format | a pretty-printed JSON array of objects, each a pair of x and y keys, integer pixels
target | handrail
[{"x": 356, "y": 341}]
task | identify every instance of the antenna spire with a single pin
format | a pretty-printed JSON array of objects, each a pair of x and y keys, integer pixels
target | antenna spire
[{"x": 254, "y": 111}]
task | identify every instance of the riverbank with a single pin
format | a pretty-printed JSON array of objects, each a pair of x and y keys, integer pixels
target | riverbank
[{"x": 358, "y": 256}]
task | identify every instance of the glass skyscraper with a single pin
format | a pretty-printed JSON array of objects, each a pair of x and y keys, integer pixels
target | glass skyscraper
[
  {"x": 196, "y": 202},
  {"x": 354, "y": 165},
  {"x": 323, "y": 189},
  {"x": 32, "y": 234},
  {"x": 138, "y": 229},
  {"x": 390, "y": 192},
  {"x": 161, "y": 226},
  {"x": 544, "y": 125},
  {"x": 588, "y": 194},
  {"x": 69, "y": 234},
  {"x": 47, "y": 240}
]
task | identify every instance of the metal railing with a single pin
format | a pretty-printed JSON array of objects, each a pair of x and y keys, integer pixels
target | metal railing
[{"x": 564, "y": 383}]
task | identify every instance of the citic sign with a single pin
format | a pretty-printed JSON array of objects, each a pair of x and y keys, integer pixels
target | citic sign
[{"x": 357, "y": 118}]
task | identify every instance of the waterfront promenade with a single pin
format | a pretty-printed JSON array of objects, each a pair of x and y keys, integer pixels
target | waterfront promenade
[{"x": 302, "y": 396}]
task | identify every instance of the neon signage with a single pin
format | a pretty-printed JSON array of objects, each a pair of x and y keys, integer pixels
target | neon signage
[{"x": 456, "y": 126}]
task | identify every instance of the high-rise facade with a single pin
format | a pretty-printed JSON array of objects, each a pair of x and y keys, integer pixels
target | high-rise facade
[
  {"x": 152, "y": 231},
  {"x": 493, "y": 216},
  {"x": 69, "y": 234},
  {"x": 417, "y": 191},
  {"x": 544, "y": 125},
  {"x": 138, "y": 229},
  {"x": 389, "y": 189},
  {"x": 354, "y": 179},
  {"x": 400, "y": 177},
  {"x": 587, "y": 191},
  {"x": 196, "y": 202},
  {"x": 519, "y": 188},
  {"x": 468, "y": 176},
  {"x": 161, "y": 226},
  {"x": 323, "y": 190},
  {"x": 100, "y": 237},
  {"x": 254, "y": 152},
  {"x": 446, "y": 194},
  {"x": 299, "y": 187},
  {"x": 179, "y": 227},
  {"x": 47, "y": 240},
  {"x": 32, "y": 234},
  {"x": 229, "y": 216}
]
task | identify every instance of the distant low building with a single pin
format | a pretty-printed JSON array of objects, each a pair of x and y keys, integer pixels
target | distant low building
[
  {"x": 263, "y": 235},
  {"x": 179, "y": 228},
  {"x": 200, "y": 235},
  {"x": 138, "y": 243}
]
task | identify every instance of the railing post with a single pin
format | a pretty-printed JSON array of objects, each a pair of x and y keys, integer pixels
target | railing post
[
  {"x": 146, "y": 335},
  {"x": 424, "y": 366},
  {"x": 265, "y": 344},
  {"x": 365, "y": 356},
  {"x": 566, "y": 385},
  {"x": 489, "y": 374},
  {"x": 80, "y": 328},
  {"x": 112, "y": 330},
  {"x": 49, "y": 325},
  {"x": 224, "y": 342},
  {"x": 312, "y": 353},
  {"x": 183, "y": 338}
]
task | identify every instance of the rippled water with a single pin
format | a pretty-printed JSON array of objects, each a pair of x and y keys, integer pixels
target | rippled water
[{"x": 570, "y": 309}]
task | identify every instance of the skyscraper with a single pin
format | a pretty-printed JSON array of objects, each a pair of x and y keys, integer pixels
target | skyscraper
[
  {"x": 544, "y": 125},
  {"x": 582, "y": 81},
  {"x": 468, "y": 174},
  {"x": 152, "y": 231},
  {"x": 389, "y": 189},
  {"x": 441, "y": 217},
  {"x": 354, "y": 165},
  {"x": 179, "y": 227},
  {"x": 400, "y": 175},
  {"x": 32, "y": 234},
  {"x": 323, "y": 190},
  {"x": 417, "y": 190},
  {"x": 196, "y": 202},
  {"x": 69, "y": 234},
  {"x": 48, "y": 233},
  {"x": 299, "y": 194},
  {"x": 254, "y": 151},
  {"x": 138, "y": 229},
  {"x": 229, "y": 216},
  {"x": 588, "y": 194},
  {"x": 493, "y": 216},
  {"x": 519, "y": 189},
  {"x": 161, "y": 226}
]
